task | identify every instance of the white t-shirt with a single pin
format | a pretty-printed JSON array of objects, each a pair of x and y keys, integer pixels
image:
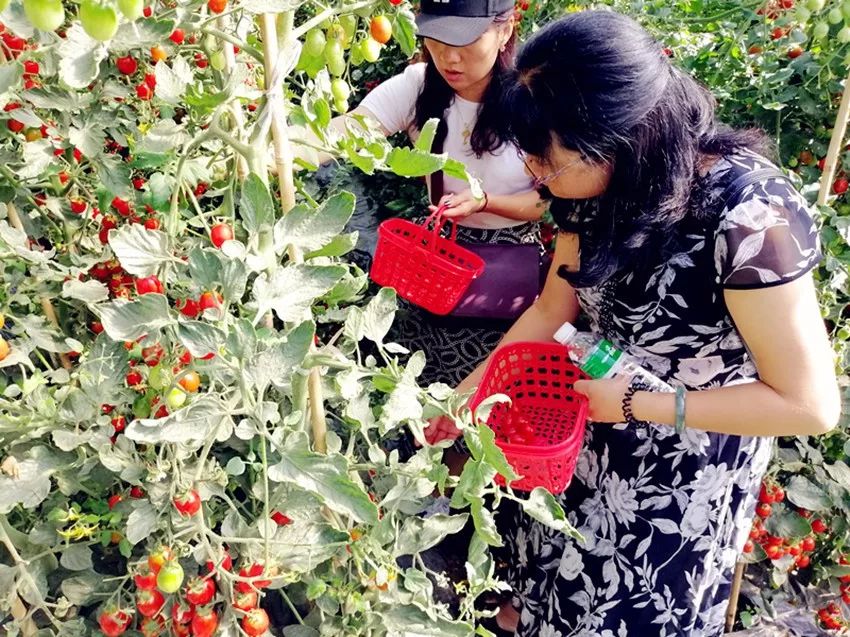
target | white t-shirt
[{"x": 393, "y": 103}]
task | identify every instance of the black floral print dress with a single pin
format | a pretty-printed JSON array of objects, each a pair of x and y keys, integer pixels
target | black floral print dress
[{"x": 665, "y": 516}]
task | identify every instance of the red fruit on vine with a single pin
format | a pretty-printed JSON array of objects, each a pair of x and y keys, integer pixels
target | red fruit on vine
[
  {"x": 177, "y": 36},
  {"x": 281, "y": 519},
  {"x": 182, "y": 613},
  {"x": 199, "y": 591},
  {"x": 159, "y": 557},
  {"x": 210, "y": 300},
  {"x": 803, "y": 561},
  {"x": 15, "y": 126},
  {"x": 162, "y": 412},
  {"x": 794, "y": 52},
  {"x": 845, "y": 597},
  {"x": 749, "y": 546},
  {"x": 808, "y": 543},
  {"x": 220, "y": 233},
  {"x": 96, "y": 327},
  {"x": 152, "y": 355},
  {"x": 777, "y": 33},
  {"x": 113, "y": 621},
  {"x": 200, "y": 61},
  {"x": 145, "y": 580},
  {"x": 819, "y": 526},
  {"x": 217, "y": 6},
  {"x": 138, "y": 183},
  {"x": 839, "y": 186},
  {"x": 127, "y": 65},
  {"x": 204, "y": 622},
  {"x": 188, "y": 504},
  {"x": 152, "y": 224},
  {"x": 114, "y": 500},
  {"x": 200, "y": 189},
  {"x": 133, "y": 379},
  {"x": 189, "y": 307},
  {"x": 158, "y": 54},
  {"x": 185, "y": 358},
  {"x": 226, "y": 563},
  {"x": 152, "y": 626},
  {"x": 255, "y": 622},
  {"x": 78, "y": 206},
  {"x": 254, "y": 570},
  {"x": 147, "y": 12},
  {"x": 144, "y": 92},
  {"x": 119, "y": 424},
  {"x": 773, "y": 552},
  {"x": 122, "y": 206},
  {"x": 765, "y": 496},
  {"x": 763, "y": 510},
  {"x": 246, "y": 601},
  {"x": 150, "y": 80},
  {"x": 31, "y": 68},
  {"x": 149, "y": 602},
  {"x": 795, "y": 550},
  {"x": 822, "y": 163},
  {"x": 149, "y": 285},
  {"x": 137, "y": 492},
  {"x": 778, "y": 493}
]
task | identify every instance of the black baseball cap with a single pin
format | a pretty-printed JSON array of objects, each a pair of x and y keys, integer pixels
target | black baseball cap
[{"x": 458, "y": 22}]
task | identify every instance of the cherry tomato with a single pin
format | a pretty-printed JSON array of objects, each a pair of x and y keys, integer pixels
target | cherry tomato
[
  {"x": 4, "y": 348},
  {"x": 113, "y": 500},
  {"x": 144, "y": 92},
  {"x": 217, "y": 6},
  {"x": 78, "y": 206},
  {"x": 149, "y": 285},
  {"x": 749, "y": 546},
  {"x": 170, "y": 577},
  {"x": 204, "y": 622},
  {"x": 190, "y": 382},
  {"x": 763, "y": 510},
  {"x": 132, "y": 9},
  {"x": 246, "y": 601},
  {"x": 99, "y": 20},
  {"x": 809, "y": 543},
  {"x": 200, "y": 591},
  {"x": 210, "y": 300},
  {"x": 113, "y": 621},
  {"x": 126, "y": 65},
  {"x": 152, "y": 224},
  {"x": 819, "y": 526},
  {"x": 381, "y": 29},
  {"x": 145, "y": 579},
  {"x": 255, "y": 622},
  {"x": 840, "y": 185},
  {"x": 133, "y": 378},
  {"x": 182, "y": 613},
  {"x": 149, "y": 602},
  {"x": 47, "y": 15},
  {"x": 803, "y": 561},
  {"x": 177, "y": 36},
  {"x": 175, "y": 399},
  {"x": 188, "y": 504},
  {"x": 281, "y": 519},
  {"x": 152, "y": 626},
  {"x": 159, "y": 557},
  {"x": 189, "y": 307},
  {"x": 226, "y": 563},
  {"x": 158, "y": 54},
  {"x": 220, "y": 233}
]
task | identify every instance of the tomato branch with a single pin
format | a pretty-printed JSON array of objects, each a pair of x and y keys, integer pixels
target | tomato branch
[{"x": 232, "y": 39}]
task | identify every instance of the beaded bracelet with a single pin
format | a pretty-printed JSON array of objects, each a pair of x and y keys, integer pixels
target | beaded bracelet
[{"x": 634, "y": 387}]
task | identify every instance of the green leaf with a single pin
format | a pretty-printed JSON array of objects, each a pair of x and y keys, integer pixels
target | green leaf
[
  {"x": 160, "y": 188},
  {"x": 277, "y": 363},
  {"x": 234, "y": 279},
  {"x": 32, "y": 484},
  {"x": 326, "y": 476},
  {"x": 76, "y": 557},
  {"x": 79, "y": 57},
  {"x": 89, "y": 139},
  {"x": 426, "y": 138},
  {"x": 140, "y": 34},
  {"x": 338, "y": 246},
  {"x": 140, "y": 251},
  {"x": 113, "y": 174},
  {"x": 379, "y": 315},
  {"x": 543, "y": 507},
  {"x": 409, "y": 162},
  {"x": 10, "y": 75},
  {"x": 255, "y": 205},
  {"x": 199, "y": 338},
  {"x": 309, "y": 230},
  {"x": 165, "y": 136},
  {"x": 788, "y": 524},
  {"x": 419, "y": 534},
  {"x": 475, "y": 477},
  {"x": 412, "y": 620},
  {"x": 242, "y": 340},
  {"x": 493, "y": 454},
  {"x": 102, "y": 372},
  {"x": 130, "y": 320},
  {"x": 485, "y": 523},
  {"x": 36, "y": 156},
  {"x": 404, "y": 30},
  {"x": 807, "y": 495},
  {"x": 142, "y": 522},
  {"x": 194, "y": 423},
  {"x": 89, "y": 292},
  {"x": 171, "y": 81},
  {"x": 307, "y": 545},
  {"x": 291, "y": 291},
  {"x": 205, "y": 267}
]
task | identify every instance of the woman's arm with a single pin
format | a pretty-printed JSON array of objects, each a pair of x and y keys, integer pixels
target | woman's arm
[
  {"x": 797, "y": 393},
  {"x": 523, "y": 206},
  {"x": 556, "y": 305}
]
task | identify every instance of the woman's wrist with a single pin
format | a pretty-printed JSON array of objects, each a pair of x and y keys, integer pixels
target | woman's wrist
[
  {"x": 659, "y": 407},
  {"x": 485, "y": 202}
]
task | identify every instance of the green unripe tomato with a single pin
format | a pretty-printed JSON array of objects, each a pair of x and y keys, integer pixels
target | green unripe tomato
[
  {"x": 209, "y": 45},
  {"x": 100, "y": 21},
  {"x": 47, "y": 15},
  {"x": 132, "y": 9},
  {"x": 314, "y": 43},
  {"x": 820, "y": 31},
  {"x": 340, "y": 89},
  {"x": 170, "y": 577},
  {"x": 835, "y": 16},
  {"x": 371, "y": 49},
  {"x": 341, "y": 106},
  {"x": 175, "y": 399},
  {"x": 159, "y": 377},
  {"x": 218, "y": 61},
  {"x": 336, "y": 32},
  {"x": 349, "y": 26},
  {"x": 845, "y": 10},
  {"x": 844, "y": 35},
  {"x": 3, "y": 5},
  {"x": 335, "y": 57},
  {"x": 815, "y": 5}
]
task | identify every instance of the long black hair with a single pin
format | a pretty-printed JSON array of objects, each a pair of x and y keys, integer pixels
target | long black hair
[
  {"x": 436, "y": 96},
  {"x": 596, "y": 82}
]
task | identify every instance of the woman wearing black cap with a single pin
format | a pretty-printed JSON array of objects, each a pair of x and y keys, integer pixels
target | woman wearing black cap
[
  {"x": 691, "y": 251},
  {"x": 468, "y": 45}
]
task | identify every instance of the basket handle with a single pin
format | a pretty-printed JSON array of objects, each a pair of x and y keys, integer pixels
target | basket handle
[{"x": 438, "y": 221}]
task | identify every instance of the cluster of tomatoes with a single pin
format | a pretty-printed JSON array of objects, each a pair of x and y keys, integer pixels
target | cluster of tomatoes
[
  {"x": 194, "y": 605},
  {"x": 807, "y": 158},
  {"x": 517, "y": 429},
  {"x": 830, "y": 617},
  {"x": 520, "y": 7}
]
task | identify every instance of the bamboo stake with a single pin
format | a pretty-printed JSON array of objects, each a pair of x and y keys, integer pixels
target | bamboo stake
[
  {"x": 835, "y": 144},
  {"x": 46, "y": 305},
  {"x": 732, "y": 609},
  {"x": 283, "y": 162}
]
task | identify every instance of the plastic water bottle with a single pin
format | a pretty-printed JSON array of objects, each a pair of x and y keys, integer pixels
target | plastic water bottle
[{"x": 598, "y": 358}]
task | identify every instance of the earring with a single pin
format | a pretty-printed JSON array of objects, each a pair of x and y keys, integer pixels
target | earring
[{"x": 502, "y": 48}]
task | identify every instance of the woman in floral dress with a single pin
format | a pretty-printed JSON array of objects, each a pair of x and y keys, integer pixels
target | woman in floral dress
[{"x": 687, "y": 248}]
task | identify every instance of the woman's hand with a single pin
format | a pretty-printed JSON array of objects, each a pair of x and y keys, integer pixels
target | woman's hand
[
  {"x": 460, "y": 205},
  {"x": 604, "y": 398},
  {"x": 441, "y": 428}
]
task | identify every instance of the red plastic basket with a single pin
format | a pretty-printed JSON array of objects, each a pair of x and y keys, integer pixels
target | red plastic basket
[
  {"x": 538, "y": 377},
  {"x": 425, "y": 268}
]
